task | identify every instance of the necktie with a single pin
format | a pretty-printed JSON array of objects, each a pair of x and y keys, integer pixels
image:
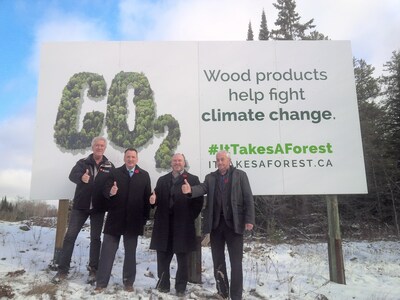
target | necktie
[{"x": 130, "y": 173}]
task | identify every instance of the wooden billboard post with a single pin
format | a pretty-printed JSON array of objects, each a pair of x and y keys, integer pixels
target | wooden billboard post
[
  {"x": 195, "y": 256},
  {"x": 335, "y": 253},
  {"x": 62, "y": 218}
]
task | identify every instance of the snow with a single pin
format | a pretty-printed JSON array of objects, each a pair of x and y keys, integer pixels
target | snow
[{"x": 282, "y": 271}]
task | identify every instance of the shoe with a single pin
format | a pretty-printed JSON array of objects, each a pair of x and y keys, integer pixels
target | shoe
[
  {"x": 99, "y": 289},
  {"x": 92, "y": 271},
  {"x": 222, "y": 285},
  {"x": 180, "y": 293},
  {"x": 163, "y": 290},
  {"x": 91, "y": 279},
  {"x": 128, "y": 288},
  {"x": 221, "y": 297},
  {"x": 59, "y": 277},
  {"x": 92, "y": 276}
]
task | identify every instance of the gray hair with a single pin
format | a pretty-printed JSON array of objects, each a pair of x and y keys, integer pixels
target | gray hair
[
  {"x": 228, "y": 155},
  {"x": 99, "y": 138},
  {"x": 184, "y": 159}
]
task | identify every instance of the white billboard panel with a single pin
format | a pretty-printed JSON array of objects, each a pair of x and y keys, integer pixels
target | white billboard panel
[{"x": 286, "y": 111}]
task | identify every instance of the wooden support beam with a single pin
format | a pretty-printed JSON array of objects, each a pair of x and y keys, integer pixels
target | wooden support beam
[
  {"x": 62, "y": 219},
  {"x": 195, "y": 256},
  {"x": 335, "y": 252}
]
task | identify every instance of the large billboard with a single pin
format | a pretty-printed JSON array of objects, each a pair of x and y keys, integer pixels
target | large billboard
[{"x": 285, "y": 110}]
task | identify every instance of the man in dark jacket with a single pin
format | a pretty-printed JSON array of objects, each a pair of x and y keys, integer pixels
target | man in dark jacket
[
  {"x": 89, "y": 174},
  {"x": 128, "y": 191},
  {"x": 229, "y": 211},
  {"x": 174, "y": 229}
]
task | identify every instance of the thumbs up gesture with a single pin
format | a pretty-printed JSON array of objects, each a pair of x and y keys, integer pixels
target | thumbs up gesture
[
  {"x": 186, "y": 188},
  {"x": 153, "y": 198},
  {"x": 86, "y": 177},
  {"x": 114, "y": 189}
]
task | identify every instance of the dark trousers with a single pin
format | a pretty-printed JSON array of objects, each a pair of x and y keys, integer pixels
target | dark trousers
[
  {"x": 163, "y": 265},
  {"x": 107, "y": 256},
  {"x": 218, "y": 238},
  {"x": 76, "y": 222}
]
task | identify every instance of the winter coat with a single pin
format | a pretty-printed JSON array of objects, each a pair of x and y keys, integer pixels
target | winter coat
[
  {"x": 241, "y": 200},
  {"x": 184, "y": 211},
  {"x": 129, "y": 208},
  {"x": 85, "y": 193}
]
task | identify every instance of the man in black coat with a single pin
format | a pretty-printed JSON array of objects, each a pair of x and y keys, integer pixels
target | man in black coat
[
  {"x": 174, "y": 229},
  {"x": 228, "y": 212},
  {"x": 128, "y": 192},
  {"x": 89, "y": 174}
]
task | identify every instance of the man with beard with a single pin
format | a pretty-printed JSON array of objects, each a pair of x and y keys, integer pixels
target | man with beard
[{"x": 174, "y": 228}]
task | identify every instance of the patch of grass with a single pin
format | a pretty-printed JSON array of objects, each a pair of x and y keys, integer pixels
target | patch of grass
[
  {"x": 43, "y": 289},
  {"x": 6, "y": 291}
]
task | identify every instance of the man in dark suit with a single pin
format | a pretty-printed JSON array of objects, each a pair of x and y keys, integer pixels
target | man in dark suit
[
  {"x": 174, "y": 229},
  {"x": 228, "y": 212},
  {"x": 128, "y": 192}
]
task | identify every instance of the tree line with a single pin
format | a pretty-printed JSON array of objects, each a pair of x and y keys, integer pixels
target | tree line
[
  {"x": 22, "y": 210},
  {"x": 379, "y": 110}
]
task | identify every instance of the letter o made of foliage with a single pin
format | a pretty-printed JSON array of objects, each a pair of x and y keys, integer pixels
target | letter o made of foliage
[{"x": 117, "y": 112}]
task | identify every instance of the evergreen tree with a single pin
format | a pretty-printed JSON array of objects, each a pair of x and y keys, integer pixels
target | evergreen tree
[
  {"x": 288, "y": 22},
  {"x": 367, "y": 87},
  {"x": 250, "y": 35},
  {"x": 315, "y": 35},
  {"x": 391, "y": 94},
  {"x": 371, "y": 114},
  {"x": 371, "y": 118},
  {"x": 264, "y": 33},
  {"x": 380, "y": 136},
  {"x": 4, "y": 204}
]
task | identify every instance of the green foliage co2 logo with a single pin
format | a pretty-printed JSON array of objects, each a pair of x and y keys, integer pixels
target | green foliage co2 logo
[{"x": 146, "y": 124}]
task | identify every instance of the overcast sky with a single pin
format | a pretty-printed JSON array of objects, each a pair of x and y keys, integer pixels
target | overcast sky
[{"x": 373, "y": 27}]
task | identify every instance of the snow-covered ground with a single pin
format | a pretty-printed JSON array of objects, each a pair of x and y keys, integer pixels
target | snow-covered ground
[{"x": 281, "y": 271}]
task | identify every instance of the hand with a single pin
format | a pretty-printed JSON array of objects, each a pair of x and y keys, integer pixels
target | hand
[
  {"x": 249, "y": 226},
  {"x": 86, "y": 177},
  {"x": 153, "y": 198},
  {"x": 114, "y": 189},
  {"x": 186, "y": 188}
]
